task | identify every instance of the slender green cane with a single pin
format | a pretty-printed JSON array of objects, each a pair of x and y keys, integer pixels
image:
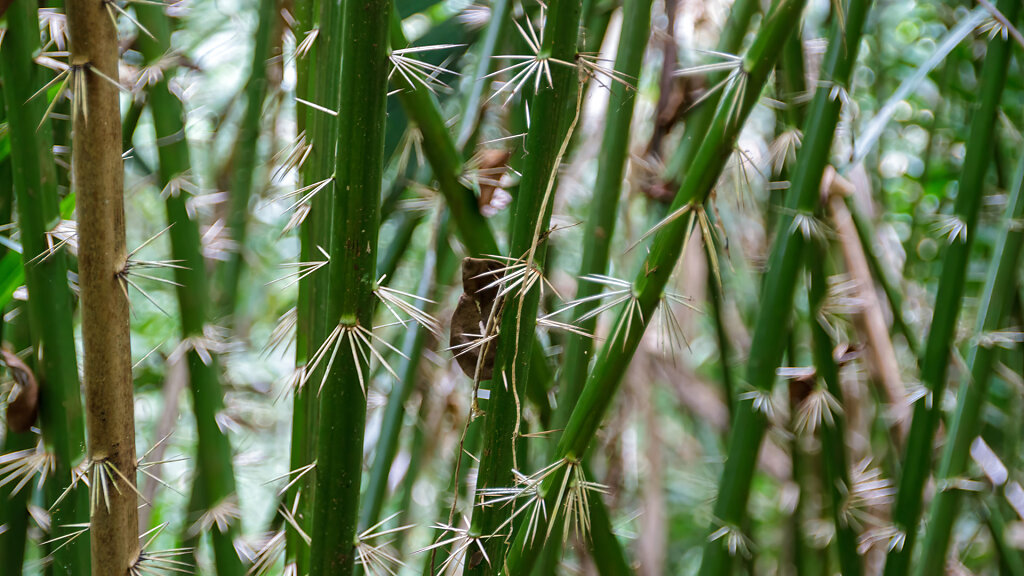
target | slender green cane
[
  {"x": 699, "y": 120},
  {"x": 305, "y": 404},
  {"x": 833, "y": 427},
  {"x": 245, "y": 161},
  {"x": 600, "y": 225},
  {"x": 50, "y": 301},
  {"x": 215, "y": 472},
  {"x": 917, "y": 464},
  {"x": 996, "y": 301},
  {"x": 357, "y": 177},
  {"x": 795, "y": 228},
  {"x": 14, "y": 513},
  {"x": 740, "y": 96},
  {"x": 438, "y": 262},
  {"x": 598, "y": 230},
  {"x": 554, "y": 112}
]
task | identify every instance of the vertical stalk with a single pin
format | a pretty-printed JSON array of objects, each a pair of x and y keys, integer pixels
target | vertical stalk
[
  {"x": 245, "y": 167},
  {"x": 97, "y": 173},
  {"x": 553, "y": 115},
  {"x": 305, "y": 404},
  {"x": 740, "y": 96},
  {"x": 357, "y": 176},
  {"x": 600, "y": 226},
  {"x": 980, "y": 150},
  {"x": 793, "y": 232},
  {"x": 833, "y": 427},
  {"x": 14, "y": 513},
  {"x": 50, "y": 301},
  {"x": 215, "y": 472},
  {"x": 438, "y": 264},
  {"x": 996, "y": 303}
]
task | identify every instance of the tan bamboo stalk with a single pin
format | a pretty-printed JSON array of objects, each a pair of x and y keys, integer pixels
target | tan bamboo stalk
[
  {"x": 97, "y": 173},
  {"x": 871, "y": 320}
]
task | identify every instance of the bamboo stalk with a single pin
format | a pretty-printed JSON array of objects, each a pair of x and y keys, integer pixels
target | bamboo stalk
[
  {"x": 612, "y": 360},
  {"x": 600, "y": 226},
  {"x": 439, "y": 264},
  {"x": 50, "y": 302},
  {"x": 97, "y": 172},
  {"x": 245, "y": 162},
  {"x": 880, "y": 349},
  {"x": 553, "y": 114},
  {"x": 918, "y": 459},
  {"x": 779, "y": 284},
  {"x": 996, "y": 302},
  {"x": 215, "y": 471},
  {"x": 836, "y": 477},
  {"x": 305, "y": 404},
  {"x": 357, "y": 177}
]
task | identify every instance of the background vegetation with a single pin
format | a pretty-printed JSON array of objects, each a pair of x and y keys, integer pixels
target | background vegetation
[{"x": 434, "y": 287}]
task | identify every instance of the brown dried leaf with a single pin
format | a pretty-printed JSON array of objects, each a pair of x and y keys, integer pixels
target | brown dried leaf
[
  {"x": 24, "y": 400},
  {"x": 469, "y": 320}
]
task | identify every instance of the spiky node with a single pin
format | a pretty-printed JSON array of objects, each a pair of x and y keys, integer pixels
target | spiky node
[
  {"x": 360, "y": 344},
  {"x": 377, "y": 557},
  {"x": 222, "y": 515},
  {"x": 417, "y": 72},
  {"x": 734, "y": 540},
  {"x": 152, "y": 562},
  {"x": 23, "y": 465},
  {"x": 461, "y": 544}
]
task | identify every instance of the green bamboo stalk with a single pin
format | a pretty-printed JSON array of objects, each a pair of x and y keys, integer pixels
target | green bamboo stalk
[
  {"x": 996, "y": 302},
  {"x": 600, "y": 225},
  {"x": 357, "y": 176},
  {"x": 98, "y": 175},
  {"x": 599, "y": 230},
  {"x": 779, "y": 284},
  {"x": 917, "y": 463},
  {"x": 245, "y": 161},
  {"x": 717, "y": 300},
  {"x": 50, "y": 301},
  {"x": 492, "y": 38},
  {"x": 699, "y": 120},
  {"x": 446, "y": 161},
  {"x": 602, "y": 383},
  {"x": 14, "y": 513},
  {"x": 305, "y": 404},
  {"x": 322, "y": 129},
  {"x": 439, "y": 263},
  {"x": 553, "y": 115},
  {"x": 215, "y": 471},
  {"x": 836, "y": 476}
]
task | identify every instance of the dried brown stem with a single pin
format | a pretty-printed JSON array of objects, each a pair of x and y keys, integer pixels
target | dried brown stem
[{"x": 870, "y": 322}]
